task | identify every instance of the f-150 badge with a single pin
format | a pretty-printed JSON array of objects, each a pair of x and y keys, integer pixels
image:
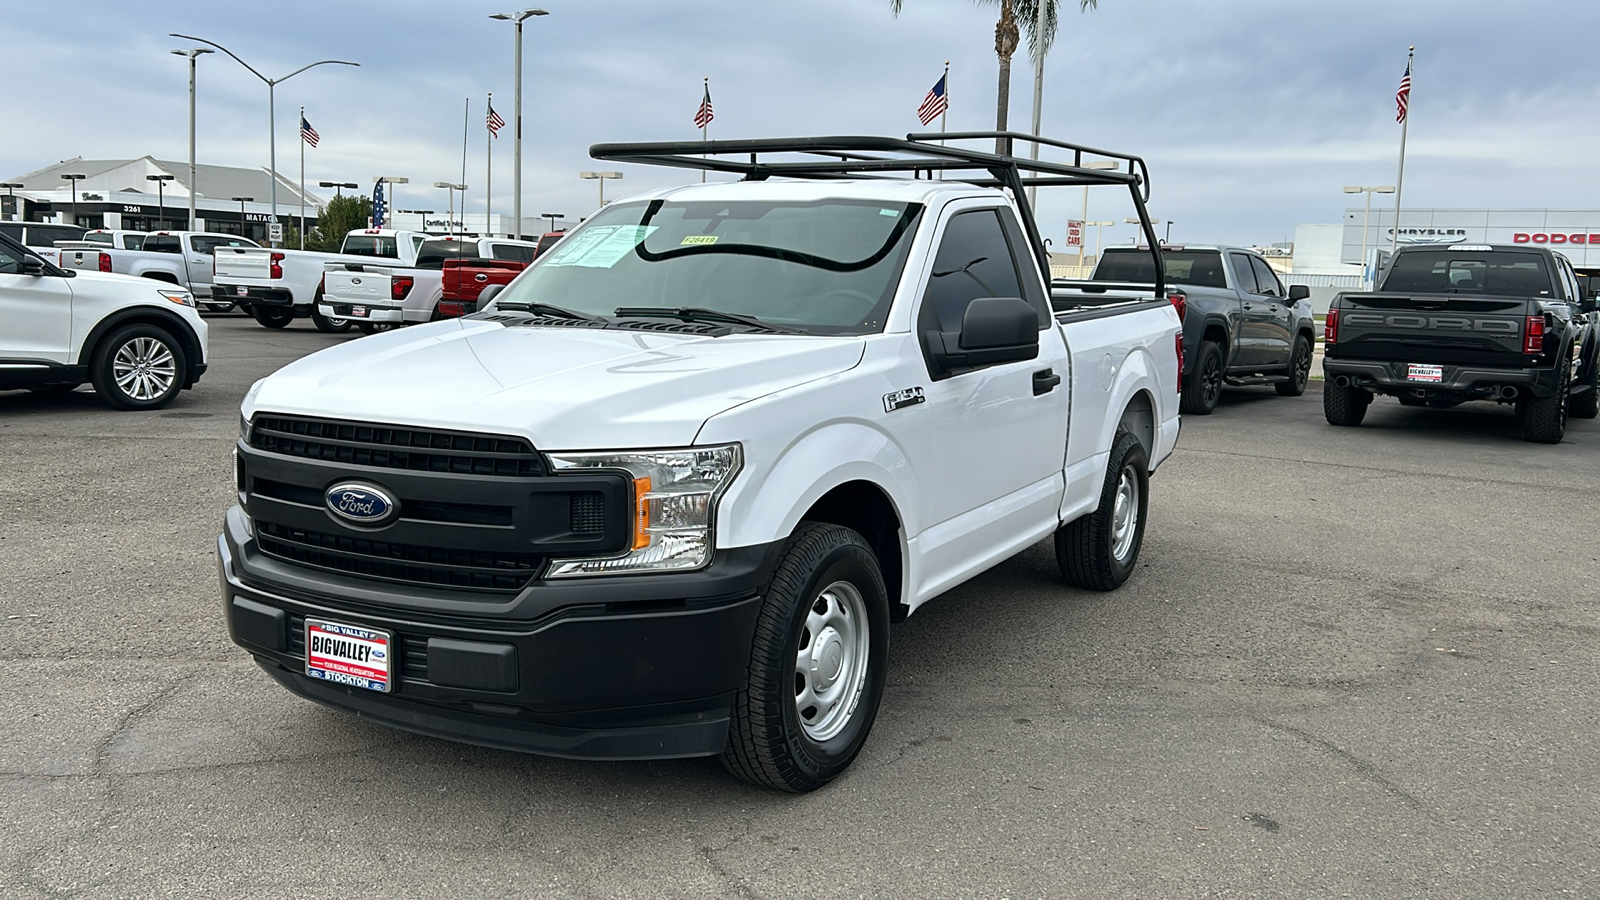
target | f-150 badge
[{"x": 903, "y": 397}]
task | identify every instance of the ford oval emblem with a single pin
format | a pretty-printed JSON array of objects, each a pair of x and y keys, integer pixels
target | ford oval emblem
[
  {"x": 480, "y": 277},
  {"x": 355, "y": 281},
  {"x": 360, "y": 503}
]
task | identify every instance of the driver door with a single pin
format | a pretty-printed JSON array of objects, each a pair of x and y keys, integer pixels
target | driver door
[{"x": 35, "y": 313}]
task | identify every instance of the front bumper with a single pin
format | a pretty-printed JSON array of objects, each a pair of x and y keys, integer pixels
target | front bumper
[
  {"x": 1388, "y": 377},
  {"x": 367, "y": 313},
  {"x": 625, "y": 667}
]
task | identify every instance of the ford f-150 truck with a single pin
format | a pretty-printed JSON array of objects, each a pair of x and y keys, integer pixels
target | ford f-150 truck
[
  {"x": 381, "y": 297},
  {"x": 183, "y": 258},
  {"x": 139, "y": 342},
  {"x": 1240, "y": 325},
  {"x": 1506, "y": 323},
  {"x": 466, "y": 279},
  {"x": 663, "y": 496},
  {"x": 275, "y": 286}
]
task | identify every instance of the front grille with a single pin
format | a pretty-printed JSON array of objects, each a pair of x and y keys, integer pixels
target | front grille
[
  {"x": 413, "y": 650},
  {"x": 394, "y": 447},
  {"x": 439, "y": 567},
  {"x": 588, "y": 512}
]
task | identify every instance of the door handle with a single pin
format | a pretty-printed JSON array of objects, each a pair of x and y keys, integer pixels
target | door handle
[{"x": 1045, "y": 381}]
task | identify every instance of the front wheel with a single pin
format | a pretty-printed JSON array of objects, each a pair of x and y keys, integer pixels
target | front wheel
[
  {"x": 817, "y": 667},
  {"x": 139, "y": 367},
  {"x": 272, "y": 316},
  {"x": 1204, "y": 390},
  {"x": 1098, "y": 551},
  {"x": 1299, "y": 370}
]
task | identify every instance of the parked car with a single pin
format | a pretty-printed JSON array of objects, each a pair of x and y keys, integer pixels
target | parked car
[
  {"x": 1240, "y": 325},
  {"x": 137, "y": 341},
  {"x": 277, "y": 285},
  {"x": 381, "y": 297},
  {"x": 1506, "y": 323},
  {"x": 183, "y": 258},
  {"x": 547, "y": 240},
  {"x": 664, "y": 495}
]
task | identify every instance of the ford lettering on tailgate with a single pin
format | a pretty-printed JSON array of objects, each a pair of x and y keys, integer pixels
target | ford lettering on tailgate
[{"x": 1438, "y": 323}]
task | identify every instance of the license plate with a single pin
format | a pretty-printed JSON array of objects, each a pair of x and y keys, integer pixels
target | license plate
[
  {"x": 1420, "y": 372},
  {"x": 241, "y": 291},
  {"x": 358, "y": 311},
  {"x": 349, "y": 654}
]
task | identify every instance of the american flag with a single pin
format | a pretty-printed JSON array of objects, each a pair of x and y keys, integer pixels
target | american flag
[
  {"x": 495, "y": 122},
  {"x": 704, "y": 116},
  {"x": 1402, "y": 97},
  {"x": 307, "y": 133},
  {"x": 934, "y": 105}
]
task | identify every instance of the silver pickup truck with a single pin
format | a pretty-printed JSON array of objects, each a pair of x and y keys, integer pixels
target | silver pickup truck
[{"x": 184, "y": 258}]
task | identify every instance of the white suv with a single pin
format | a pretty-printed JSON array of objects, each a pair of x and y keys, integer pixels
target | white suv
[{"x": 138, "y": 341}]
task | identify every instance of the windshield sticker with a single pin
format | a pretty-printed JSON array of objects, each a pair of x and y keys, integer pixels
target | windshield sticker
[
  {"x": 600, "y": 247},
  {"x": 699, "y": 239},
  {"x": 888, "y": 212}
]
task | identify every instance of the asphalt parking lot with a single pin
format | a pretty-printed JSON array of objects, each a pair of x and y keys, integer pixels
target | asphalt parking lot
[{"x": 1355, "y": 663}]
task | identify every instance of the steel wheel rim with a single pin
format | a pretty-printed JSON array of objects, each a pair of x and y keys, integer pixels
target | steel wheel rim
[
  {"x": 1125, "y": 515},
  {"x": 830, "y": 666},
  {"x": 1211, "y": 382},
  {"x": 144, "y": 368}
]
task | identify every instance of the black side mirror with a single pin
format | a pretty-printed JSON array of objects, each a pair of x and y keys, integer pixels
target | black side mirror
[
  {"x": 488, "y": 294},
  {"x": 993, "y": 330},
  {"x": 32, "y": 265},
  {"x": 1298, "y": 292},
  {"x": 1588, "y": 304}
]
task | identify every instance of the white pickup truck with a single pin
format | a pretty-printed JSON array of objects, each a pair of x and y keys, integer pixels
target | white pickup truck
[
  {"x": 112, "y": 237},
  {"x": 275, "y": 285},
  {"x": 664, "y": 496},
  {"x": 183, "y": 258},
  {"x": 137, "y": 341},
  {"x": 379, "y": 297}
]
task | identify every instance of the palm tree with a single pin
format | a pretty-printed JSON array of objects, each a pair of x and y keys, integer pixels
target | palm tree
[{"x": 1007, "y": 34}]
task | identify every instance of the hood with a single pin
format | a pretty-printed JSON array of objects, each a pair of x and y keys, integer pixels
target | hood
[{"x": 562, "y": 388}]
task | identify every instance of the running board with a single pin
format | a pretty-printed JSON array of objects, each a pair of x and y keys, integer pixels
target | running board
[{"x": 1246, "y": 380}]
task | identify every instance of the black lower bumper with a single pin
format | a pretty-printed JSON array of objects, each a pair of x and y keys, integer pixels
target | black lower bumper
[
  {"x": 1388, "y": 377},
  {"x": 609, "y": 679},
  {"x": 252, "y": 295}
]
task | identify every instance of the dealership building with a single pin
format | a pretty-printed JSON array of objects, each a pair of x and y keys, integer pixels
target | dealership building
[{"x": 1574, "y": 232}]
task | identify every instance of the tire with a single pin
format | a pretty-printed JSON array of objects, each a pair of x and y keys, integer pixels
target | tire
[
  {"x": 1098, "y": 551},
  {"x": 329, "y": 324},
  {"x": 272, "y": 316},
  {"x": 139, "y": 367},
  {"x": 218, "y": 307},
  {"x": 1587, "y": 404},
  {"x": 1299, "y": 369},
  {"x": 1544, "y": 419},
  {"x": 827, "y": 594},
  {"x": 1345, "y": 406},
  {"x": 375, "y": 327},
  {"x": 1204, "y": 389}
]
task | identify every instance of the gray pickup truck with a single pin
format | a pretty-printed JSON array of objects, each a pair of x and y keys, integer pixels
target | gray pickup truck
[
  {"x": 1240, "y": 326},
  {"x": 1505, "y": 323}
]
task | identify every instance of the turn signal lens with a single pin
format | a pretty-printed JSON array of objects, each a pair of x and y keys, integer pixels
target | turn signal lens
[
  {"x": 1330, "y": 327},
  {"x": 641, "y": 513},
  {"x": 105, "y": 262}
]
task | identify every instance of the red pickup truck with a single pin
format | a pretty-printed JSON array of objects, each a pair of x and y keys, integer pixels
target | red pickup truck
[{"x": 465, "y": 279}]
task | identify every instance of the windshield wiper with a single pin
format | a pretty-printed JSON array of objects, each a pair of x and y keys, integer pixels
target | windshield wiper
[
  {"x": 545, "y": 309},
  {"x": 693, "y": 314}
]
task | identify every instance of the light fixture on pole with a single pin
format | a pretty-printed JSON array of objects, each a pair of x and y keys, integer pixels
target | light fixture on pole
[
  {"x": 1366, "y": 217},
  {"x": 553, "y": 217},
  {"x": 601, "y": 177},
  {"x": 1102, "y": 165},
  {"x": 161, "y": 198},
  {"x": 191, "y": 54},
  {"x": 450, "y": 188},
  {"x": 422, "y": 215},
  {"x": 11, "y": 187},
  {"x": 388, "y": 201},
  {"x": 516, "y": 165},
  {"x": 336, "y": 185},
  {"x": 242, "y": 201},
  {"x": 74, "y": 179},
  {"x": 1097, "y": 228},
  {"x": 272, "y": 115}
]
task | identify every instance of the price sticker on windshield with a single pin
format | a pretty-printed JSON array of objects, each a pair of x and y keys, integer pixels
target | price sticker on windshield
[{"x": 698, "y": 239}]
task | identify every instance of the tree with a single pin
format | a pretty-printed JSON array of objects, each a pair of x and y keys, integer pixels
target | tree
[
  {"x": 342, "y": 215},
  {"x": 1017, "y": 18}
]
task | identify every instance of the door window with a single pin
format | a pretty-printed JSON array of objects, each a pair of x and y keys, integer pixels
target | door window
[
  {"x": 163, "y": 243},
  {"x": 1266, "y": 280},
  {"x": 974, "y": 262},
  {"x": 513, "y": 252},
  {"x": 10, "y": 261},
  {"x": 1242, "y": 272}
]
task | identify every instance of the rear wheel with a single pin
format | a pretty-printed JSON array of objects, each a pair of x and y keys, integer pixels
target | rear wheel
[
  {"x": 376, "y": 327},
  {"x": 1544, "y": 419},
  {"x": 1098, "y": 551},
  {"x": 1204, "y": 389},
  {"x": 1344, "y": 405},
  {"x": 272, "y": 316},
  {"x": 817, "y": 667},
  {"x": 139, "y": 367},
  {"x": 1299, "y": 370},
  {"x": 329, "y": 324}
]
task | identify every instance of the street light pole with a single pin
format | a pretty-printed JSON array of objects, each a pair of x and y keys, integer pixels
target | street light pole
[
  {"x": 241, "y": 201},
  {"x": 553, "y": 217},
  {"x": 74, "y": 179},
  {"x": 1366, "y": 218},
  {"x": 161, "y": 198},
  {"x": 450, "y": 188},
  {"x": 272, "y": 114},
  {"x": 516, "y": 165},
  {"x": 336, "y": 185},
  {"x": 192, "y": 54},
  {"x": 601, "y": 177}
]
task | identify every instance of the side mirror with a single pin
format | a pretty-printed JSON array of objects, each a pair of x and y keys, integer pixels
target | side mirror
[
  {"x": 1298, "y": 292},
  {"x": 32, "y": 265},
  {"x": 1589, "y": 304},
  {"x": 488, "y": 294},
  {"x": 993, "y": 330}
]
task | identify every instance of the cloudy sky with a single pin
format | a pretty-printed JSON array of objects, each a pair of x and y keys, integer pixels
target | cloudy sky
[{"x": 1251, "y": 113}]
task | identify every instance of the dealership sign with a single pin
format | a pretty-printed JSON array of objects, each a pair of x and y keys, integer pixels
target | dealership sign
[{"x": 1539, "y": 237}]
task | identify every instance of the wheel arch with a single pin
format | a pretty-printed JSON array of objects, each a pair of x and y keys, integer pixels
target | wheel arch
[
  {"x": 168, "y": 277},
  {"x": 145, "y": 315},
  {"x": 864, "y": 508}
]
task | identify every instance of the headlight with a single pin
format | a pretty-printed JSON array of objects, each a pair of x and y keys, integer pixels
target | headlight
[
  {"x": 675, "y": 494},
  {"x": 182, "y": 298}
]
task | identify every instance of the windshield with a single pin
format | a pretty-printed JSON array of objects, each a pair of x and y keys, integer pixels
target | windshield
[
  {"x": 1469, "y": 272},
  {"x": 1201, "y": 268},
  {"x": 823, "y": 267}
]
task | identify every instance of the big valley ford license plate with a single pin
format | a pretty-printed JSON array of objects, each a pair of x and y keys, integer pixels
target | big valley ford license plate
[
  {"x": 1421, "y": 372},
  {"x": 358, "y": 311},
  {"x": 349, "y": 654}
]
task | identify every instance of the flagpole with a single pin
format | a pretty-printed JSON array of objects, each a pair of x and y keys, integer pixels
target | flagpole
[
  {"x": 705, "y": 131},
  {"x": 1400, "y": 179},
  {"x": 488, "y": 174},
  {"x": 302, "y": 178},
  {"x": 944, "y": 113},
  {"x": 466, "y": 125}
]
